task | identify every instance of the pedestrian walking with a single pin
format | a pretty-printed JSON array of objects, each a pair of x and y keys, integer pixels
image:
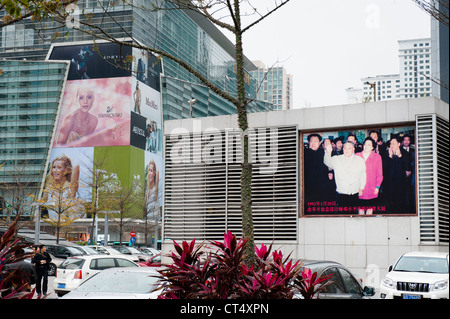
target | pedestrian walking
[{"x": 41, "y": 260}]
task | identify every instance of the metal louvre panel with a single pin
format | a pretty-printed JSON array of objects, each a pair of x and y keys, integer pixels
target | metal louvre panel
[
  {"x": 442, "y": 178},
  {"x": 202, "y": 185},
  {"x": 425, "y": 177}
]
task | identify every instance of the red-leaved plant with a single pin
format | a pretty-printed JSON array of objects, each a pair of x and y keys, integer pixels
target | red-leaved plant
[
  {"x": 220, "y": 273},
  {"x": 13, "y": 284}
]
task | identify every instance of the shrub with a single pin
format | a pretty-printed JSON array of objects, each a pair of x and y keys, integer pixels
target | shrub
[
  {"x": 13, "y": 284},
  {"x": 220, "y": 273}
]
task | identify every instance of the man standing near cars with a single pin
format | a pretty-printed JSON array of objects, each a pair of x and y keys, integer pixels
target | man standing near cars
[{"x": 41, "y": 260}]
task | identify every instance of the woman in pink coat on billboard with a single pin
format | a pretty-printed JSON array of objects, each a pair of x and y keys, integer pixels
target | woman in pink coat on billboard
[{"x": 374, "y": 177}]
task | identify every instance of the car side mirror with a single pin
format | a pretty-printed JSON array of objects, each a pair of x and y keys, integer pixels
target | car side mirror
[
  {"x": 369, "y": 291},
  {"x": 390, "y": 268}
]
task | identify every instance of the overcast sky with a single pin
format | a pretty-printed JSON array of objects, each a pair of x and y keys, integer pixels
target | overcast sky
[{"x": 329, "y": 45}]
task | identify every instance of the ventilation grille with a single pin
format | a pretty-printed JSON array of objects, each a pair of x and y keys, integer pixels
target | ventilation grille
[
  {"x": 202, "y": 190},
  {"x": 442, "y": 178},
  {"x": 432, "y": 151}
]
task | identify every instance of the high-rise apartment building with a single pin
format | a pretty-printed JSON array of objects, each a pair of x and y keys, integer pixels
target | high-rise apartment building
[
  {"x": 413, "y": 80},
  {"x": 415, "y": 68},
  {"x": 30, "y": 93},
  {"x": 274, "y": 85},
  {"x": 386, "y": 87}
]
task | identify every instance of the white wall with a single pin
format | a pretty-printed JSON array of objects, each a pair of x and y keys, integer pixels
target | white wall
[{"x": 366, "y": 245}]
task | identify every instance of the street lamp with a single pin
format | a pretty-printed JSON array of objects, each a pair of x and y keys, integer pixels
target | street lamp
[
  {"x": 192, "y": 101},
  {"x": 373, "y": 87},
  {"x": 97, "y": 174}
]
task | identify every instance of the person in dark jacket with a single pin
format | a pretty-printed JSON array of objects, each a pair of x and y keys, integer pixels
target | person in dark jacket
[{"x": 41, "y": 260}]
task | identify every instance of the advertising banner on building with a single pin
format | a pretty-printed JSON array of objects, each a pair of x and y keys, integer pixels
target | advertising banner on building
[
  {"x": 95, "y": 112},
  {"x": 94, "y": 61},
  {"x": 67, "y": 182},
  {"x": 112, "y": 109},
  {"x": 359, "y": 172}
]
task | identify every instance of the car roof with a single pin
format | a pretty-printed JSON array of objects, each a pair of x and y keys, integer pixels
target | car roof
[
  {"x": 319, "y": 265},
  {"x": 98, "y": 257},
  {"x": 434, "y": 254}
]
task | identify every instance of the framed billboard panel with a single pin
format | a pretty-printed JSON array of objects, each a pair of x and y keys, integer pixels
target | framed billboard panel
[
  {"x": 154, "y": 177},
  {"x": 359, "y": 172},
  {"x": 93, "y": 61},
  {"x": 95, "y": 112},
  {"x": 66, "y": 181}
]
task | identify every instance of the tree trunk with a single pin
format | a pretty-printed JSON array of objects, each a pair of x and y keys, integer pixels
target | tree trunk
[{"x": 246, "y": 174}]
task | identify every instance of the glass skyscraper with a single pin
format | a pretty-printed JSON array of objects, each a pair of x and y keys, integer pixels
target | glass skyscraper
[
  {"x": 30, "y": 93},
  {"x": 183, "y": 33}
]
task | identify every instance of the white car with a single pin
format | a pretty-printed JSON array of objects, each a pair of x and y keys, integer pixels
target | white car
[
  {"x": 75, "y": 270},
  {"x": 108, "y": 250},
  {"x": 417, "y": 275},
  {"x": 119, "y": 283}
]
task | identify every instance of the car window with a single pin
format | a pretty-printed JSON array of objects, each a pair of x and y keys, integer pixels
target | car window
[
  {"x": 125, "y": 263},
  {"x": 102, "y": 263},
  {"x": 335, "y": 285},
  {"x": 350, "y": 282},
  {"x": 101, "y": 250},
  {"x": 72, "y": 263}
]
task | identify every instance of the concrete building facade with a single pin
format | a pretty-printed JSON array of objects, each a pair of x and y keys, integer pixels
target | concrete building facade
[{"x": 367, "y": 244}]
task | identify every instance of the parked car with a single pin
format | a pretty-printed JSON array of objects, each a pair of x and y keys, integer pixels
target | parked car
[
  {"x": 118, "y": 283},
  {"x": 342, "y": 284},
  {"x": 132, "y": 251},
  {"x": 86, "y": 250},
  {"x": 53, "y": 264},
  {"x": 63, "y": 251},
  {"x": 417, "y": 275},
  {"x": 75, "y": 270},
  {"x": 154, "y": 261},
  {"x": 149, "y": 250},
  {"x": 108, "y": 250}
]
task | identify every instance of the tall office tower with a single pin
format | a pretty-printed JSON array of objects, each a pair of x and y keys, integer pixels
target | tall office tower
[
  {"x": 274, "y": 85},
  {"x": 183, "y": 33},
  {"x": 415, "y": 68},
  {"x": 30, "y": 93}
]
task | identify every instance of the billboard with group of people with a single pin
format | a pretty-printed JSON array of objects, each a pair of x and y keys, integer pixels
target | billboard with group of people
[
  {"x": 111, "y": 105},
  {"x": 359, "y": 172}
]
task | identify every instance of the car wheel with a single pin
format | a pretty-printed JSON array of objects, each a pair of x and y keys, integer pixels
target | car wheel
[{"x": 52, "y": 269}]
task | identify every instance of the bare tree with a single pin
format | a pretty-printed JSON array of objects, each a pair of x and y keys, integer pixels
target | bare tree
[
  {"x": 128, "y": 200},
  {"x": 438, "y": 9},
  {"x": 227, "y": 15}
]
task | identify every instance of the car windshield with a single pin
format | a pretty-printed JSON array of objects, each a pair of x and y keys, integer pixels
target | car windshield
[
  {"x": 123, "y": 250},
  {"x": 120, "y": 281},
  {"x": 422, "y": 264},
  {"x": 91, "y": 251},
  {"x": 134, "y": 250},
  {"x": 72, "y": 263}
]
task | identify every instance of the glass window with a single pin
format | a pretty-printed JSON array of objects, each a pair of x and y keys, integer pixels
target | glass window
[
  {"x": 102, "y": 263},
  {"x": 335, "y": 286},
  {"x": 125, "y": 263},
  {"x": 352, "y": 285},
  {"x": 72, "y": 263}
]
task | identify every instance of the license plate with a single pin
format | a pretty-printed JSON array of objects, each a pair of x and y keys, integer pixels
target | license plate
[
  {"x": 62, "y": 286},
  {"x": 412, "y": 297}
]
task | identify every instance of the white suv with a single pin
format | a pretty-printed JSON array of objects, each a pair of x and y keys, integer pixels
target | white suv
[{"x": 417, "y": 275}]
